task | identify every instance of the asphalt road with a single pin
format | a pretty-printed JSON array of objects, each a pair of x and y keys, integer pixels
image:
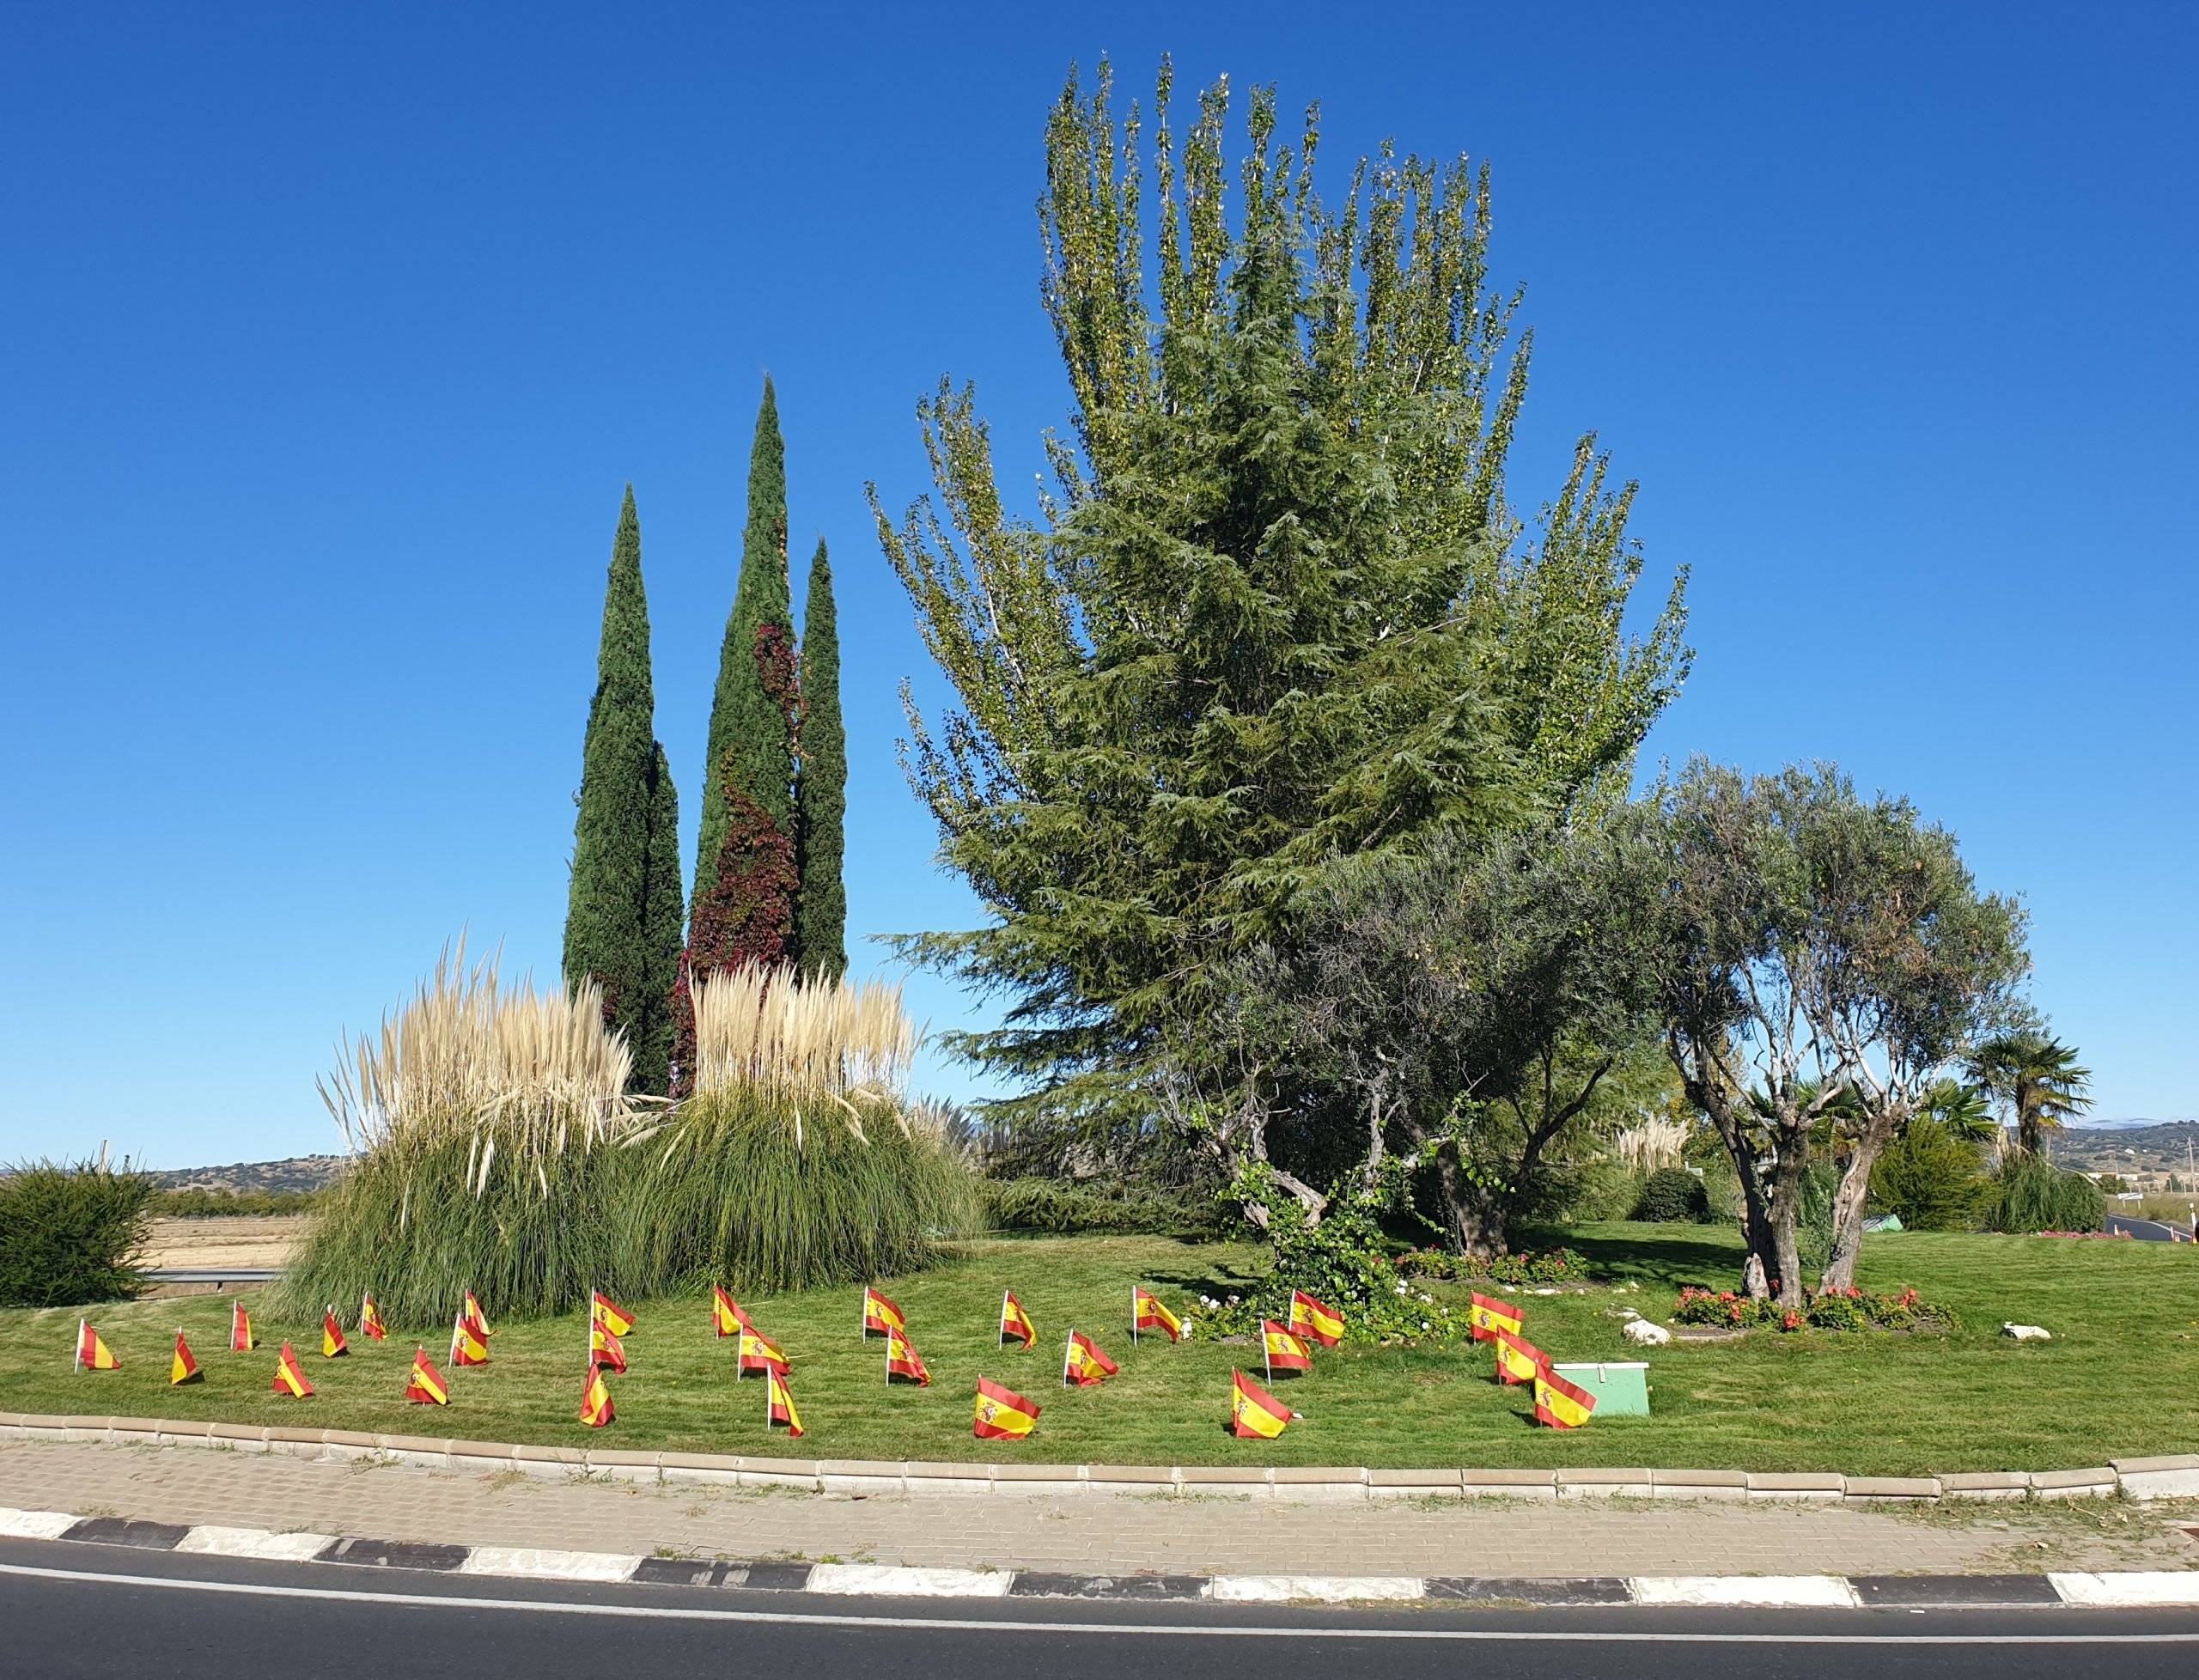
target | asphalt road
[
  {"x": 97, "y": 1611},
  {"x": 2147, "y": 1229}
]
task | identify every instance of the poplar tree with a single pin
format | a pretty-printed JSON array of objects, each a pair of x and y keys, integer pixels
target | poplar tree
[
  {"x": 623, "y": 914},
  {"x": 821, "y": 804}
]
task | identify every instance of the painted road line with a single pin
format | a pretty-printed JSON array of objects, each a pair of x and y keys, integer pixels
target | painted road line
[
  {"x": 257, "y": 1543},
  {"x": 2131, "y": 1589},
  {"x": 36, "y": 1525},
  {"x": 1314, "y": 1589},
  {"x": 1746, "y": 1592},
  {"x": 1300, "y": 1630},
  {"x": 891, "y": 1581},
  {"x": 539, "y": 1563}
]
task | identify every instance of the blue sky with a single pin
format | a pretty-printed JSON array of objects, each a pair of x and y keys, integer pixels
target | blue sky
[{"x": 332, "y": 339}]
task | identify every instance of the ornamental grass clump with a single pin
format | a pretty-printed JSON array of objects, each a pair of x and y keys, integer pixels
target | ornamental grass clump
[
  {"x": 799, "y": 1159},
  {"x": 482, "y": 1119}
]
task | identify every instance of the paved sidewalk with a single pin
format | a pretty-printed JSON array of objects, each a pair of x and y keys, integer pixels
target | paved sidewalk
[{"x": 1118, "y": 1533}]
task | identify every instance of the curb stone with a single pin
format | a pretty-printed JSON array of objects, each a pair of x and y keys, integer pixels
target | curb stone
[{"x": 2153, "y": 1588}]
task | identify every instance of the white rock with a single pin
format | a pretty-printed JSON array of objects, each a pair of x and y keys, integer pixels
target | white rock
[
  {"x": 1628, "y": 1312},
  {"x": 1643, "y": 1334},
  {"x": 2028, "y": 1332}
]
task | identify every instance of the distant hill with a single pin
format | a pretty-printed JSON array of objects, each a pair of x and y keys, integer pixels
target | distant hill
[
  {"x": 2127, "y": 1146},
  {"x": 300, "y": 1172}
]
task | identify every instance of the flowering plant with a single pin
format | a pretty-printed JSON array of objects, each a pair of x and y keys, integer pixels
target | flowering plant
[{"x": 1849, "y": 1309}]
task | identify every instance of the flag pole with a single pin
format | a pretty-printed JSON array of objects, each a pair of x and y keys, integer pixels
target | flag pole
[
  {"x": 78, "y": 1364},
  {"x": 1000, "y": 1330},
  {"x": 1067, "y": 1347},
  {"x": 1267, "y": 1358},
  {"x": 1133, "y": 1315},
  {"x": 451, "y": 1358}
]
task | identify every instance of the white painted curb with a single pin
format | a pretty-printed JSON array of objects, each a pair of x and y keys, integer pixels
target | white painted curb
[
  {"x": 35, "y": 1525},
  {"x": 2127, "y": 1589},
  {"x": 257, "y": 1543},
  {"x": 549, "y": 1565},
  {"x": 893, "y": 1581},
  {"x": 1319, "y": 1589},
  {"x": 1751, "y": 1591}
]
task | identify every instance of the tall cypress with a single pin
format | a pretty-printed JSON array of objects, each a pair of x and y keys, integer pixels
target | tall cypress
[
  {"x": 615, "y": 932},
  {"x": 821, "y": 793},
  {"x": 664, "y": 911}
]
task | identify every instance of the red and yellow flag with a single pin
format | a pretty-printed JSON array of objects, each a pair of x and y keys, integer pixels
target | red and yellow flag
[
  {"x": 289, "y": 1379},
  {"x": 596, "y": 1408},
  {"x": 609, "y": 1314},
  {"x": 726, "y": 1314},
  {"x": 1148, "y": 1314},
  {"x": 1517, "y": 1359},
  {"x": 1003, "y": 1413},
  {"x": 901, "y": 1359},
  {"x": 880, "y": 1314},
  {"x": 241, "y": 1337},
  {"x": 1083, "y": 1364},
  {"x": 1558, "y": 1402},
  {"x": 476, "y": 1319},
  {"x": 1309, "y": 1317},
  {"x": 1015, "y": 1321},
  {"x": 426, "y": 1387},
  {"x": 333, "y": 1344},
  {"x": 370, "y": 1323},
  {"x": 466, "y": 1347},
  {"x": 779, "y": 1404},
  {"x": 758, "y": 1353},
  {"x": 604, "y": 1349},
  {"x": 1253, "y": 1410},
  {"x": 1488, "y": 1316},
  {"x": 183, "y": 1368},
  {"x": 92, "y": 1353},
  {"x": 1284, "y": 1351}
]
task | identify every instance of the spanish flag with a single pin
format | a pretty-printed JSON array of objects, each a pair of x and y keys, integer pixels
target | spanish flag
[
  {"x": 92, "y": 1353},
  {"x": 1015, "y": 1321},
  {"x": 596, "y": 1408},
  {"x": 289, "y": 1380},
  {"x": 1253, "y": 1410},
  {"x": 475, "y": 1319},
  {"x": 1309, "y": 1317},
  {"x": 1488, "y": 1316},
  {"x": 726, "y": 1313},
  {"x": 880, "y": 1314},
  {"x": 1517, "y": 1360},
  {"x": 758, "y": 1353},
  {"x": 609, "y": 1314},
  {"x": 241, "y": 1337},
  {"x": 466, "y": 1347},
  {"x": 901, "y": 1359},
  {"x": 1284, "y": 1351},
  {"x": 333, "y": 1344},
  {"x": 183, "y": 1368},
  {"x": 1558, "y": 1402},
  {"x": 370, "y": 1318},
  {"x": 604, "y": 1349},
  {"x": 778, "y": 1404},
  {"x": 1083, "y": 1364},
  {"x": 426, "y": 1387},
  {"x": 1147, "y": 1313},
  {"x": 1003, "y": 1413}
]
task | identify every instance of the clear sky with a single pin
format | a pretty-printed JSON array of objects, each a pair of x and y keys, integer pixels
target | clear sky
[{"x": 333, "y": 336}]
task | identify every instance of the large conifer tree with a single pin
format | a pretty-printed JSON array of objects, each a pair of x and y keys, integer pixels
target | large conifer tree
[
  {"x": 821, "y": 805},
  {"x": 621, "y": 918}
]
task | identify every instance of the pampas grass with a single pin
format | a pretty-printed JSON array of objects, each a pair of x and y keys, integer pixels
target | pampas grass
[{"x": 1651, "y": 1144}]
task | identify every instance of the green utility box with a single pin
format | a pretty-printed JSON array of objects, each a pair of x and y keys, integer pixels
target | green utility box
[{"x": 1621, "y": 1391}]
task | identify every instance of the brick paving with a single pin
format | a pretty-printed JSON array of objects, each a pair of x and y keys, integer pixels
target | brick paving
[{"x": 1097, "y": 1533}]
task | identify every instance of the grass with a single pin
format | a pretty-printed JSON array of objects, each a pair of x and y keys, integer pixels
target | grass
[{"x": 2121, "y": 1378}]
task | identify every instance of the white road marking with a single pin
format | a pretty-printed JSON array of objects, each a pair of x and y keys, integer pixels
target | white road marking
[
  {"x": 887, "y": 1581},
  {"x": 1320, "y": 1589},
  {"x": 2129, "y": 1589},
  {"x": 254, "y": 1543},
  {"x": 1746, "y": 1591},
  {"x": 461, "y": 1601},
  {"x": 36, "y": 1525},
  {"x": 536, "y": 1563}
]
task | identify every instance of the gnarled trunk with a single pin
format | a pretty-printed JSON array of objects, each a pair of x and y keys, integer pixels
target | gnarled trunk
[{"x": 1850, "y": 1199}]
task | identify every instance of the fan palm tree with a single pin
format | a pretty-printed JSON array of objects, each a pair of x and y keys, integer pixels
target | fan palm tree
[
  {"x": 2037, "y": 1077},
  {"x": 1963, "y": 1108}
]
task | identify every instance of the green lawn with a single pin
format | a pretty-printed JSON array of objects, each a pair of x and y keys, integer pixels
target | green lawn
[{"x": 2121, "y": 1378}]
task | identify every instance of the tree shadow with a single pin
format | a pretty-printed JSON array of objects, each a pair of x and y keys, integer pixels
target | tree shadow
[{"x": 1669, "y": 1260}]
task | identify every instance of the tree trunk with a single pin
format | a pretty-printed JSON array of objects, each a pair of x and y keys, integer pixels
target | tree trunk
[
  {"x": 1782, "y": 1207},
  {"x": 1850, "y": 1199},
  {"x": 1474, "y": 1222}
]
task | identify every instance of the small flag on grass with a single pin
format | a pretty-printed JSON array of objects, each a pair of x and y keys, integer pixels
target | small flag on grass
[
  {"x": 370, "y": 1323},
  {"x": 1148, "y": 1314},
  {"x": 880, "y": 1314},
  {"x": 1488, "y": 1316},
  {"x": 183, "y": 1368},
  {"x": 1517, "y": 1360},
  {"x": 289, "y": 1379},
  {"x": 903, "y": 1360},
  {"x": 609, "y": 1314},
  {"x": 758, "y": 1353},
  {"x": 1003, "y": 1413},
  {"x": 241, "y": 1337},
  {"x": 466, "y": 1347},
  {"x": 596, "y": 1408},
  {"x": 92, "y": 1353},
  {"x": 1015, "y": 1321},
  {"x": 1558, "y": 1402},
  {"x": 1309, "y": 1317},
  {"x": 1083, "y": 1364},
  {"x": 1253, "y": 1411},
  {"x": 333, "y": 1344},
  {"x": 1283, "y": 1350},
  {"x": 604, "y": 1349},
  {"x": 779, "y": 1404},
  {"x": 726, "y": 1314},
  {"x": 426, "y": 1387},
  {"x": 476, "y": 1319}
]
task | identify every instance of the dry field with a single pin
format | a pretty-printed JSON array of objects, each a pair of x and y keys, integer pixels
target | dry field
[{"x": 251, "y": 1242}]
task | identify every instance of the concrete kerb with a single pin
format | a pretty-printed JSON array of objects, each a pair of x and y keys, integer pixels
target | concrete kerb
[{"x": 2174, "y": 1476}]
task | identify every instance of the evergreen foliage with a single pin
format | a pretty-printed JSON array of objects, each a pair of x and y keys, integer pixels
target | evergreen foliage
[
  {"x": 1931, "y": 1179},
  {"x": 820, "y": 939},
  {"x": 70, "y": 1233},
  {"x": 2032, "y": 1194},
  {"x": 1277, "y": 608},
  {"x": 624, "y": 906}
]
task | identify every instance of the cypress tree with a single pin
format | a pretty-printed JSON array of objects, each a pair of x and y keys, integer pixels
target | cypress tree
[
  {"x": 821, "y": 801},
  {"x": 615, "y": 927},
  {"x": 664, "y": 912}
]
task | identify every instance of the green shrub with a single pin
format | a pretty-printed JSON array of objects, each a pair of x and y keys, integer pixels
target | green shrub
[
  {"x": 2032, "y": 1194},
  {"x": 1550, "y": 1265},
  {"x": 69, "y": 1234},
  {"x": 1072, "y": 1207},
  {"x": 1930, "y": 1178},
  {"x": 1672, "y": 1196},
  {"x": 1579, "y": 1192},
  {"x": 1834, "y": 1310}
]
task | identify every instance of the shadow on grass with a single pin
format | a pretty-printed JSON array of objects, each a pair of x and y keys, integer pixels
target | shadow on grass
[{"x": 1668, "y": 1256}]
